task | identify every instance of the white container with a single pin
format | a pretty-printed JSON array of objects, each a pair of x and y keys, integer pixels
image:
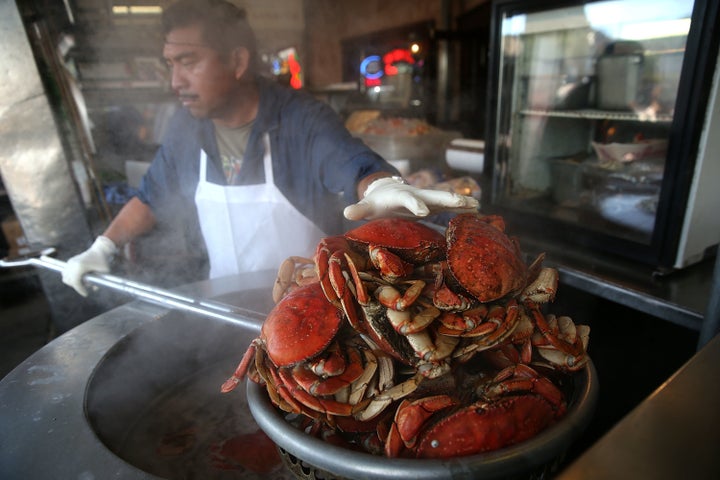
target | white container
[{"x": 466, "y": 154}]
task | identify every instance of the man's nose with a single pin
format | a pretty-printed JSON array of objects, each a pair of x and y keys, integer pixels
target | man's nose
[{"x": 177, "y": 79}]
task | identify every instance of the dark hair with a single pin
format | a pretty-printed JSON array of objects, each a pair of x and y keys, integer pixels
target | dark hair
[{"x": 224, "y": 25}]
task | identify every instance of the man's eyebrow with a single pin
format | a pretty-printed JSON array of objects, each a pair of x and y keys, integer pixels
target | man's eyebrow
[
  {"x": 188, "y": 44},
  {"x": 181, "y": 56}
]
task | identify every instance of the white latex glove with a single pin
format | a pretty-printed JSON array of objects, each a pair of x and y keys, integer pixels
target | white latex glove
[
  {"x": 392, "y": 196},
  {"x": 97, "y": 258}
]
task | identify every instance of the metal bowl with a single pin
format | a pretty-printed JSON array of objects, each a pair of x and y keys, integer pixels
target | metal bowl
[{"x": 518, "y": 460}]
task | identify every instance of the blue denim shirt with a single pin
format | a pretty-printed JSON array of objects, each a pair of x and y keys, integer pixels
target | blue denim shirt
[{"x": 316, "y": 162}]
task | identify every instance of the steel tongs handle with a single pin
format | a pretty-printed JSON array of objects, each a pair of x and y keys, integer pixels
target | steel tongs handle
[{"x": 229, "y": 313}]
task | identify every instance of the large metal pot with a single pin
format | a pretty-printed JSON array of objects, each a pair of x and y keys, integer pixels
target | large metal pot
[
  {"x": 154, "y": 400},
  {"x": 533, "y": 458}
]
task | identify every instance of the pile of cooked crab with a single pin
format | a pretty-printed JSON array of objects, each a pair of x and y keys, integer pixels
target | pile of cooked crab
[{"x": 400, "y": 341}]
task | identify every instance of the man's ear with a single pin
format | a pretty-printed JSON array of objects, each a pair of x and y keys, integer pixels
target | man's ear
[{"x": 241, "y": 60}]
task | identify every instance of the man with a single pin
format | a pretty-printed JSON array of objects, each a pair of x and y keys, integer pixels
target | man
[{"x": 260, "y": 170}]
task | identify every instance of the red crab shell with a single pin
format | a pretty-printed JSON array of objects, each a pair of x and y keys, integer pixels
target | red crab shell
[
  {"x": 300, "y": 326},
  {"x": 484, "y": 261},
  {"x": 484, "y": 427},
  {"x": 410, "y": 240}
]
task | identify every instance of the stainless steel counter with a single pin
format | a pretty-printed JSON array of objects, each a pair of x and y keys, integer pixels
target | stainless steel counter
[
  {"x": 674, "y": 433},
  {"x": 687, "y": 297}
]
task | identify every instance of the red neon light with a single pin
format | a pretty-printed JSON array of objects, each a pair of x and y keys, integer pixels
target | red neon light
[
  {"x": 394, "y": 56},
  {"x": 295, "y": 70}
]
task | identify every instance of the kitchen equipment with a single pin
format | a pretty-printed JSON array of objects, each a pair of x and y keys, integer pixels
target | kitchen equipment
[
  {"x": 625, "y": 193},
  {"x": 72, "y": 406},
  {"x": 208, "y": 308},
  {"x": 466, "y": 154},
  {"x": 171, "y": 420},
  {"x": 628, "y": 152},
  {"x": 313, "y": 458},
  {"x": 657, "y": 87},
  {"x": 619, "y": 72},
  {"x": 560, "y": 93},
  {"x": 566, "y": 180}
]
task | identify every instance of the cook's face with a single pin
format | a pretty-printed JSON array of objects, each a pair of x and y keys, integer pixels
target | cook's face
[{"x": 200, "y": 78}]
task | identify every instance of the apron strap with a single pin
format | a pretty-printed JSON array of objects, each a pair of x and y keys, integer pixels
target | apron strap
[
  {"x": 267, "y": 161},
  {"x": 203, "y": 166}
]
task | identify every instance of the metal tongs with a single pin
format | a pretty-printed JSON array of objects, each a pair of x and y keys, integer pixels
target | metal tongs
[{"x": 208, "y": 308}]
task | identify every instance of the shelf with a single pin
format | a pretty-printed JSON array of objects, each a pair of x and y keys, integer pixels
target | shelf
[
  {"x": 591, "y": 114},
  {"x": 679, "y": 297}
]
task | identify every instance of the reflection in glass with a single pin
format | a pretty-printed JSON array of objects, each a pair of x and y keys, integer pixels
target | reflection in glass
[{"x": 586, "y": 100}]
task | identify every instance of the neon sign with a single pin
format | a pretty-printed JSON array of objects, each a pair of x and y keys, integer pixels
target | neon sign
[
  {"x": 371, "y": 67},
  {"x": 395, "y": 56}
]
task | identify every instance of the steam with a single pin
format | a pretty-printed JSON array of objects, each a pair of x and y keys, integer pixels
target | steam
[{"x": 162, "y": 380}]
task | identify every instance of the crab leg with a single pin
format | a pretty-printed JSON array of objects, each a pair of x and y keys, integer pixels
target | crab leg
[
  {"x": 322, "y": 405},
  {"x": 391, "y": 297},
  {"x": 391, "y": 266},
  {"x": 359, "y": 386},
  {"x": 522, "y": 378},
  {"x": 503, "y": 322},
  {"x": 506, "y": 355},
  {"x": 281, "y": 389},
  {"x": 329, "y": 262},
  {"x": 405, "y": 323},
  {"x": 506, "y": 320},
  {"x": 446, "y": 299},
  {"x": 380, "y": 402},
  {"x": 318, "y": 385},
  {"x": 575, "y": 348},
  {"x": 561, "y": 359},
  {"x": 543, "y": 288},
  {"x": 331, "y": 363},
  {"x": 384, "y": 378},
  {"x": 465, "y": 323},
  {"x": 241, "y": 369},
  {"x": 433, "y": 369},
  {"x": 293, "y": 271},
  {"x": 474, "y": 329},
  {"x": 429, "y": 350}
]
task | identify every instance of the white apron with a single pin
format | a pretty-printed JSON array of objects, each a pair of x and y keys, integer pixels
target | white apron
[{"x": 250, "y": 227}]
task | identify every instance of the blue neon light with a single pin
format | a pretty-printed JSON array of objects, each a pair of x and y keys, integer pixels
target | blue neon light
[{"x": 368, "y": 61}]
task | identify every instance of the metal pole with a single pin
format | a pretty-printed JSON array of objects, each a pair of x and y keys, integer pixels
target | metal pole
[{"x": 208, "y": 308}]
